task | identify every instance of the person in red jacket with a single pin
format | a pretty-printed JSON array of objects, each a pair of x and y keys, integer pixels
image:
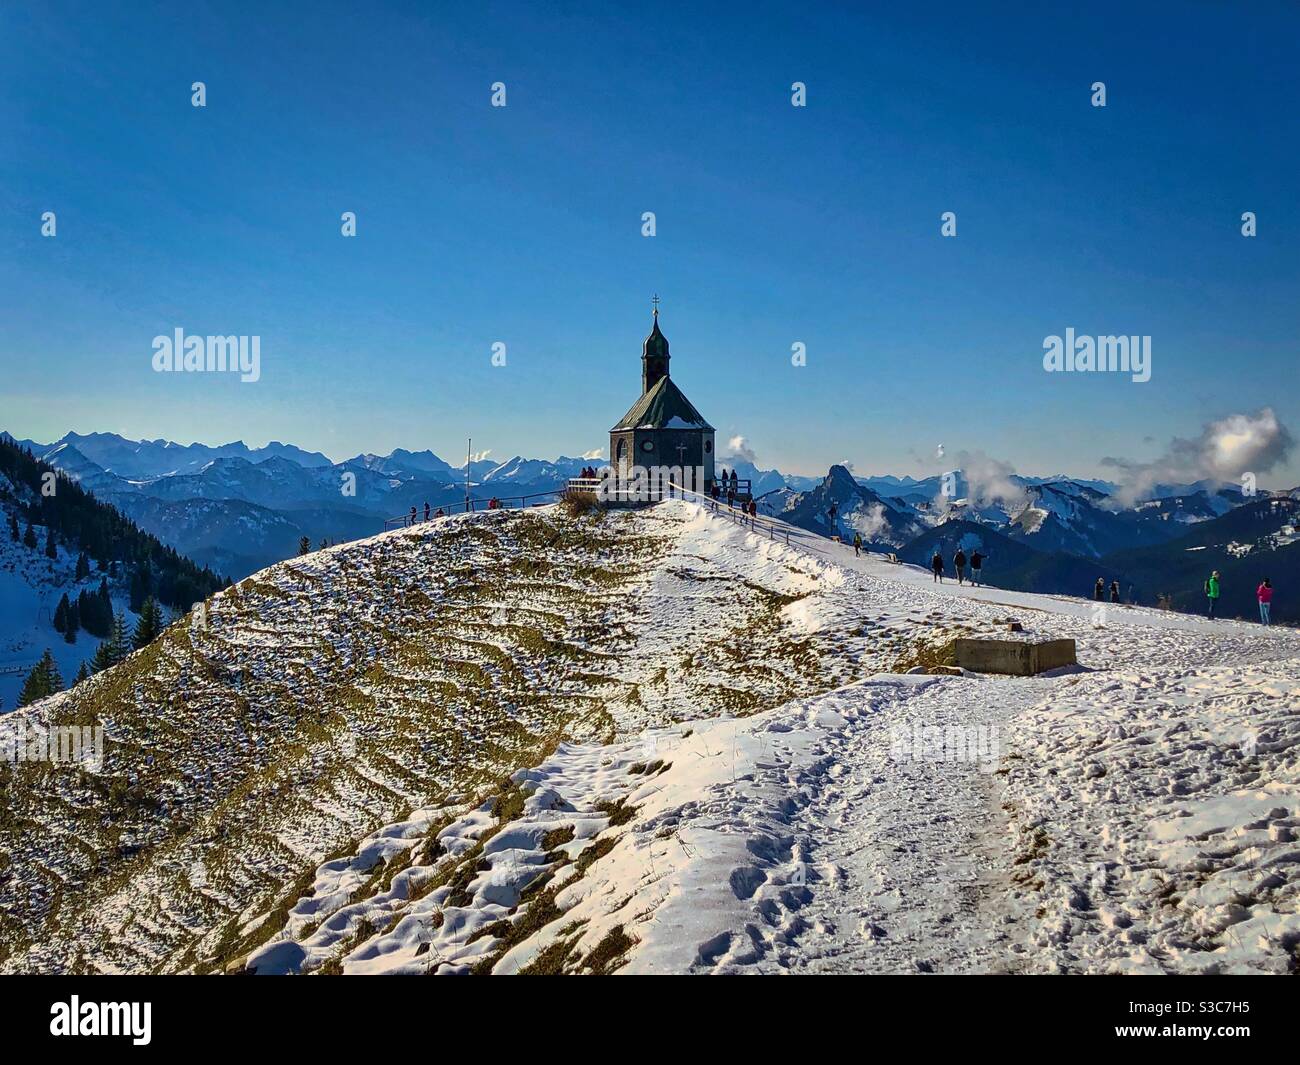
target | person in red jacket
[{"x": 1264, "y": 593}]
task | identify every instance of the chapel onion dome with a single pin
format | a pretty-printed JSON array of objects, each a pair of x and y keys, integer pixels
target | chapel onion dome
[{"x": 656, "y": 344}]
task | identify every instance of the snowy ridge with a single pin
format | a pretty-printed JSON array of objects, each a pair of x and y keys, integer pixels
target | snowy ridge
[
  {"x": 1138, "y": 815},
  {"x": 324, "y": 697}
]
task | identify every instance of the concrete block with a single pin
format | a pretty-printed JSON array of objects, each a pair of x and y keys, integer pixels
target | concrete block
[{"x": 1018, "y": 658}]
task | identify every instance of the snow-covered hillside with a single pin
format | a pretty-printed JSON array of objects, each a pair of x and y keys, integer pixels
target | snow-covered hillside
[
  {"x": 661, "y": 742},
  {"x": 31, "y": 585}
]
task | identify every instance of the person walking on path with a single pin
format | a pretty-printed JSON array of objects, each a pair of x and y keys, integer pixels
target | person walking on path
[
  {"x": 976, "y": 563},
  {"x": 936, "y": 564},
  {"x": 1114, "y": 591},
  {"x": 1212, "y": 590},
  {"x": 959, "y": 564},
  {"x": 1264, "y": 593},
  {"x": 426, "y": 510},
  {"x": 857, "y": 544},
  {"x": 1099, "y": 592}
]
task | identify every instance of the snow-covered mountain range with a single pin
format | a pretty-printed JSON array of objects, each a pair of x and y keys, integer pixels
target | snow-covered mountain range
[{"x": 238, "y": 509}]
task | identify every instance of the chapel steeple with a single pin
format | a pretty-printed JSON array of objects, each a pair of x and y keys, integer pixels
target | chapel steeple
[{"x": 654, "y": 354}]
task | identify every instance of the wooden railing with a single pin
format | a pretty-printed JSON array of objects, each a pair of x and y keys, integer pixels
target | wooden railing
[
  {"x": 616, "y": 491},
  {"x": 775, "y": 530},
  {"x": 473, "y": 506},
  {"x": 744, "y": 487}
]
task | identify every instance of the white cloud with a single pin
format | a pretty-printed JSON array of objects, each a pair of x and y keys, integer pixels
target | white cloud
[
  {"x": 740, "y": 449},
  {"x": 988, "y": 480},
  {"x": 870, "y": 522},
  {"x": 1227, "y": 448}
]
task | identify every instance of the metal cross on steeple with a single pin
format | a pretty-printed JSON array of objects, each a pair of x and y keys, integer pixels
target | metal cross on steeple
[{"x": 655, "y": 300}]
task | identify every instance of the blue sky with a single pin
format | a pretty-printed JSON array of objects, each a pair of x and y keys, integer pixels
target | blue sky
[{"x": 775, "y": 224}]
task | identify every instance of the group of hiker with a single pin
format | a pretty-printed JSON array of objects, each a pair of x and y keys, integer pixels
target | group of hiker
[
  {"x": 1099, "y": 590},
  {"x": 727, "y": 486},
  {"x": 1263, "y": 596},
  {"x": 413, "y": 519},
  {"x": 589, "y": 473},
  {"x": 959, "y": 565},
  {"x": 1213, "y": 590}
]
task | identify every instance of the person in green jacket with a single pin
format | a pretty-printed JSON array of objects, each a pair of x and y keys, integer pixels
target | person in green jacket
[
  {"x": 1212, "y": 590},
  {"x": 857, "y": 544}
]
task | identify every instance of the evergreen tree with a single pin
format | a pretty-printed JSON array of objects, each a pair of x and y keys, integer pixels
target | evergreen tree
[
  {"x": 52, "y": 672},
  {"x": 150, "y": 625},
  {"x": 118, "y": 638},
  {"x": 50, "y": 550},
  {"x": 82, "y": 674},
  {"x": 13, "y": 528},
  {"x": 95, "y": 610},
  {"x": 90, "y": 615},
  {"x": 83, "y": 566},
  {"x": 114, "y": 649},
  {"x": 43, "y": 680},
  {"x": 61, "y": 614},
  {"x": 102, "y": 659},
  {"x": 304, "y": 545},
  {"x": 34, "y": 687},
  {"x": 73, "y": 623},
  {"x": 29, "y": 537}
]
